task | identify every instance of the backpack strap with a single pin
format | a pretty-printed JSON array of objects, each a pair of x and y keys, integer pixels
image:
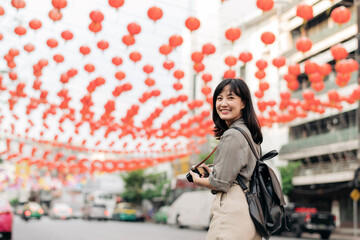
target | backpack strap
[
  {"x": 249, "y": 141},
  {"x": 238, "y": 177}
]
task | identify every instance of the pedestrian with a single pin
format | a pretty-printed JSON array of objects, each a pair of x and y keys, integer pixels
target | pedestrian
[{"x": 232, "y": 106}]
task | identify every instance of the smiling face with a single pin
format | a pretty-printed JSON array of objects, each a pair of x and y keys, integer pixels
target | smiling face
[{"x": 229, "y": 106}]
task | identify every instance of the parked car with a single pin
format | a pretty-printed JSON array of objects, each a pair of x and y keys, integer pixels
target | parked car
[
  {"x": 6, "y": 218},
  {"x": 32, "y": 210},
  {"x": 309, "y": 219},
  {"x": 61, "y": 211},
  {"x": 125, "y": 212},
  {"x": 161, "y": 215},
  {"x": 96, "y": 211}
]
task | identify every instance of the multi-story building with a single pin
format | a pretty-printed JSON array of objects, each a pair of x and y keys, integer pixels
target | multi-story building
[{"x": 327, "y": 144}]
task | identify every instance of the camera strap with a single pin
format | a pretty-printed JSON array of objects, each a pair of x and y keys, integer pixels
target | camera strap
[{"x": 206, "y": 158}]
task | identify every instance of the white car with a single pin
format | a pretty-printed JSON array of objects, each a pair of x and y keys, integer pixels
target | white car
[{"x": 61, "y": 211}]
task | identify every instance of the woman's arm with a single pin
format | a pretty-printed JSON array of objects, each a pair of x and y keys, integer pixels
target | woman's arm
[{"x": 201, "y": 181}]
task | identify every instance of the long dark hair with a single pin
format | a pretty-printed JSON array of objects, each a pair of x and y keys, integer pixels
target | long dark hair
[{"x": 239, "y": 88}]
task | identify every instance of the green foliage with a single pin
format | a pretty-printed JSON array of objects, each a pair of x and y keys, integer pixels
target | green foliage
[
  {"x": 287, "y": 174},
  {"x": 202, "y": 156},
  {"x": 14, "y": 201},
  {"x": 133, "y": 186},
  {"x": 140, "y": 186}
]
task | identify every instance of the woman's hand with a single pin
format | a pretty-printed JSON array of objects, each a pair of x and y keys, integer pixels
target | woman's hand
[
  {"x": 206, "y": 167},
  {"x": 195, "y": 177}
]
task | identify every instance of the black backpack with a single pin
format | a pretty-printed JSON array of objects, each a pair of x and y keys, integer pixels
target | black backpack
[{"x": 264, "y": 196}]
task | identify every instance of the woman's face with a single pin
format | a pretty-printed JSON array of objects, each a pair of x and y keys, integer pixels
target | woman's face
[{"x": 229, "y": 106}]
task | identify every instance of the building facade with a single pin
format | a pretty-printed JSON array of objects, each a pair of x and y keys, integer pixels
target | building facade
[{"x": 326, "y": 145}]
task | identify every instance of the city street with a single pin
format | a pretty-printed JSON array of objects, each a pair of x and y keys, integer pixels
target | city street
[{"x": 46, "y": 229}]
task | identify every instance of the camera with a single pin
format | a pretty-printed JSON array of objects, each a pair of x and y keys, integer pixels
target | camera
[{"x": 199, "y": 170}]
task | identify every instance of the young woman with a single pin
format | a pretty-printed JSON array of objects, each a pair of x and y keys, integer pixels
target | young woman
[{"x": 232, "y": 106}]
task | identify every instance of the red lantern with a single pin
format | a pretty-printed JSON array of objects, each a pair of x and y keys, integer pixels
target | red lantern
[
  {"x": 58, "y": 58},
  {"x": 35, "y": 24},
  {"x": 177, "y": 86},
  {"x": 192, "y": 23},
  {"x": 2, "y": 11},
  {"x": 135, "y": 56},
  {"x": 18, "y": 4},
  {"x": 20, "y": 30},
  {"x": 230, "y": 61},
  {"x": 245, "y": 57},
  {"x": 116, "y": 3},
  {"x": 261, "y": 64},
  {"x": 199, "y": 67},
  {"x": 89, "y": 68},
  {"x": 229, "y": 74},
  {"x": 175, "y": 41},
  {"x": 148, "y": 68},
  {"x": 120, "y": 75},
  {"x": 206, "y": 90},
  {"x": 265, "y": 5},
  {"x": 102, "y": 45},
  {"x": 84, "y": 50},
  {"x": 96, "y": 16},
  {"x": 178, "y": 74},
  {"x": 59, "y": 4},
  {"x": 279, "y": 62},
  {"x": 29, "y": 47},
  {"x": 168, "y": 65},
  {"x": 233, "y": 34},
  {"x": 318, "y": 86},
  {"x": 315, "y": 77},
  {"x": 303, "y": 44},
  {"x": 206, "y": 77},
  {"x": 294, "y": 69},
  {"x": 55, "y": 15},
  {"x": 267, "y": 38},
  {"x": 149, "y": 82},
  {"x": 208, "y": 49},
  {"x": 154, "y": 13},
  {"x": 67, "y": 35},
  {"x": 311, "y": 67},
  {"x": 263, "y": 86},
  {"x": 341, "y": 15},
  {"x": 165, "y": 49},
  {"x": 260, "y": 74},
  {"x": 338, "y": 52},
  {"x": 128, "y": 40},
  {"x": 325, "y": 69},
  {"x": 304, "y": 11},
  {"x": 117, "y": 61},
  {"x": 134, "y": 28},
  {"x": 197, "y": 57},
  {"x": 259, "y": 94},
  {"x": 52, "y": 43},
  {"x": 95, "y": 27}
]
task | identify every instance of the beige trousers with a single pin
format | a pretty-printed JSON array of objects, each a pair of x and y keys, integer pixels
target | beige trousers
[{"x": 230, "y": 217}]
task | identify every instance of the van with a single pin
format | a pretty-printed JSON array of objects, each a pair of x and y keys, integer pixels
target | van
[{"x": 191, "y": 209}]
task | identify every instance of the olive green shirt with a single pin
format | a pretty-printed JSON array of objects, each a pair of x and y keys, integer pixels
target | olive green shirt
[{"x": 233, "y": 155}]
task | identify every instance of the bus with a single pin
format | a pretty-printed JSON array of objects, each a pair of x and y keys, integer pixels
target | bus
[
  {"x": 191, "y": 205},
  {"x": 102, "y": 198}
]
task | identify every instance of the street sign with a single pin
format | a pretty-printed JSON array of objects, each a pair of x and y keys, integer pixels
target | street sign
[{"x": 355, "y": 195}]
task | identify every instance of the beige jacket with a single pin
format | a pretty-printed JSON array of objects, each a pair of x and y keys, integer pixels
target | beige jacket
[{"x": 233, "y": 156}]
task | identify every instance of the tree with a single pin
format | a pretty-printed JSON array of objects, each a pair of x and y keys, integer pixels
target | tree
[
  {"x": 134, "y": 182},
  {"x": 139, "y": 186},
  {"x": 287, "y": 174}
]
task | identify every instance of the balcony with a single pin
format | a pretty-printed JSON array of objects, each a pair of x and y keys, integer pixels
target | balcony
[
  {"x": 323, "y": 33},
  {"x": 329, "y": 84},
  {"x": 340, "y": 171},
  {"x": 337, "y": 141}
]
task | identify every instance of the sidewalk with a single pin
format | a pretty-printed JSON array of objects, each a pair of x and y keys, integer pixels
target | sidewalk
[{"x": 345, "y": 234}]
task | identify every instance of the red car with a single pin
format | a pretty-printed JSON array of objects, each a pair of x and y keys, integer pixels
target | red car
[{"x": 6, "y": 219}]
